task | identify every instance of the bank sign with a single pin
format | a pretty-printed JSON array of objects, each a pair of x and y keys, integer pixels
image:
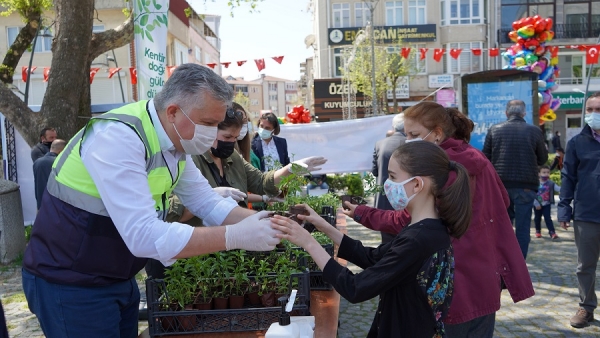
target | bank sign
[
  {"x": 569, "y": 100},
  {"x": 385, "y": 34}
]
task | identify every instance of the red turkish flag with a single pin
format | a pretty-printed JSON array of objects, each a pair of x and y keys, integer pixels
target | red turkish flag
[
  {"x": 226, "y": 64},
  {"x": 112, "y": 72},
  {"x": 260, "y": 64},
  {"x": 278, "y": 59},
  {"x": 24, "y": 72},
  {"x": 405, "y": 52},
  {"x": 423, "y": 53},
  {"x": 591, "y": 55},
  {"x": 93, "y": 72},
  {"x": 476, "y": 51},
  {"x": 455, "y": 52},
  {"x": 133, "y": 73},
  {"x": 240, "y": 63},
  {"x": 494, "y": 52},
  {"x": 46, "y": 73},
  {"x": 438, "y": 53},
  {"x": 212, "y": 65},
  {"x": 170, "y": 70}
]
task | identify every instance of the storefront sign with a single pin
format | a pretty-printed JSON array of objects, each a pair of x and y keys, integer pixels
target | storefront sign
[
  {"x": 446, "y": 97},
  {"x": 331, "y": 96},
  {"x": 385, "y": 34},
  {"x": 443, "y": 80},
  {"x": 402, "y": 89},
  {"x": 570, "y": 100}
]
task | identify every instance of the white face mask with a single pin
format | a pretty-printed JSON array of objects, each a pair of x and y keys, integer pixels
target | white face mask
[
  {"x": 265, "y": 134},
  {"x": 243, "y": 132},
  {"x": 417, "y": 138},
  {"x": 593, "y": 120},
  {"x": 203, "y": 139}
]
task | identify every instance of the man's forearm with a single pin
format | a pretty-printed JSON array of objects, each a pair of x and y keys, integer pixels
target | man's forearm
[
  {"x": 204, "y": 240},
  {"x": 237, "y": 214}
]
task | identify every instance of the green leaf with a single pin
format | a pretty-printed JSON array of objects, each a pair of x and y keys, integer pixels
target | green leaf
[
  {"x": 150, "y": 28},
  {"x": 160, "y": 19},
  {"x": 144, "y": 20},
  {"x": 158, "y": 7},
  {"x": 149, "y": 36},
  {"x": 147, "y": 2},
  {"x": 165, "y": 19},
  {"x": 137, "y": 29}
]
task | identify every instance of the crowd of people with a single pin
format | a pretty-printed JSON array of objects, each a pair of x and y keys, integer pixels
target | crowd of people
[{"x": 192, "y": 162}]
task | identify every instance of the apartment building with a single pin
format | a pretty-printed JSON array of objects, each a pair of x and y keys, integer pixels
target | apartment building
[
  {"x": 189, "y": 40},
  {"x": 418, "y": 24}
]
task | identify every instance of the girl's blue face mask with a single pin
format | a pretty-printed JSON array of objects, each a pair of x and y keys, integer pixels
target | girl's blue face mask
[{"x": 396, "y": 193}]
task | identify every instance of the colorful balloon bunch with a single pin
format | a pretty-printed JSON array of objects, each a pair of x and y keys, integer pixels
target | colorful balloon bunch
[
  {"x": 298, "y": 115},
  {"x": 530, "y": 53}
]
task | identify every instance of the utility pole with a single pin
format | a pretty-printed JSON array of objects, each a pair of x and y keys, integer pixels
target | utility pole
[{"x": 372, "y": 5}]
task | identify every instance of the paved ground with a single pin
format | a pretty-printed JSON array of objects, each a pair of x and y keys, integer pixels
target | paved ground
[{"x": 551, "y": 264}]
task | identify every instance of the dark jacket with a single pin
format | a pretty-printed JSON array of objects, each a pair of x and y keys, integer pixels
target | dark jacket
[
  {"x": 41, "y": 171},
  {"x": 38, "y": 151},
  {"x": 556, "y": 142},
  {"x": 381, "y": 158},
  {"x": 580, "y": 179},
  {"x": 487, "y": 252},
  {"x": 516, "y": 149},
  {"x": 280, "y": 144}
]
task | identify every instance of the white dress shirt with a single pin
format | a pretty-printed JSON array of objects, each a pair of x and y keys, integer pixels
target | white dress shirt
[
  {"x": 114, "y": 156},
  {"x": 270, "y": 155}
]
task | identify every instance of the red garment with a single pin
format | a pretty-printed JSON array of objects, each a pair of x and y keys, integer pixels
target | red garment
[{"x": 488, "y": 250}]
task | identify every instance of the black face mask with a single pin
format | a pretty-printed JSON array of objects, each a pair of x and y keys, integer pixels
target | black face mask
[
  {"x": 48, "y": 144},
  {"x": 223, "y": 150}
]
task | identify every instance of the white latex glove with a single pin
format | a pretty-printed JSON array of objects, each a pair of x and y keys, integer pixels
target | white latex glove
[
  {"x": 230, "y": 192},
  {"x": 253, "y": 233},
  {"x": 267, "y": 199},
  {"x": 309, "y": 163}
]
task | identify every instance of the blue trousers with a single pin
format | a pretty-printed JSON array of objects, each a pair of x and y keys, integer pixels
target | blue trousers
[
  {"x": 537, "y": 219},
  {"x": 519, "y": 210},
  {"x": 66, "y": 311}
]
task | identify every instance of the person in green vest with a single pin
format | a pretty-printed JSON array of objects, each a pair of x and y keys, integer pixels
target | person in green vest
[{"x": 103, "y": 211}]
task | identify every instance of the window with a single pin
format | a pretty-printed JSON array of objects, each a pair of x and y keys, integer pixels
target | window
[
  {"x": 272, "y": 87},
  {"x": 273, "y": 97},
  {"x": 416, "y": 12},
  {"x": 43, "y": 42},
  {"x": 393, "y": 13},
  {"x": 254, "y": 102},
  {"x": 97, "y": 28},
  {"x": 462, "y": 12},
  {"x": 341, "y": 15},
  {"x": 419, "y": 65},
  {"x": 254, "y": 90},
  {"x": 515, "y": 10},
  {"x": 337, "y": 62},
  {"x": 362, "y": 14},
  {"x": 198, "y": 53},
  {"x": 466, "y": 62}
]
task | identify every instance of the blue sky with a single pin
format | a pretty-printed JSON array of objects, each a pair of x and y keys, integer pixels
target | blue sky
[{"x": 278, "y": 28}]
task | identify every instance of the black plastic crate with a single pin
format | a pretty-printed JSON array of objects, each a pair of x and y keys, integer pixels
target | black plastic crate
[
  {"x": 162, "y": 321},
  {"x": 316, "y": 275}
]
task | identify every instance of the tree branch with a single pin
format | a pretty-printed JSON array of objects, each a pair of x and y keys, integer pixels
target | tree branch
[
  {"x": 15, "y": 111},
  {"x": 19, "y": 46},
  {"x": 111, "y": 39}
]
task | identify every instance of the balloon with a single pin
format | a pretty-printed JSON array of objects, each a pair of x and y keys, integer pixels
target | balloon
[
  {"x": 530, "y": 58},
  {"x": 548, "y": 116},
  {"x": 543, "y": 36},
  {"x": 516, "y": 25},
  {"x": 541, "y": 85},
  {"x": 526, "y": 31},
  {"x": 556, "y": 71},
  {"x": 554, "y": 61},
  {"x": 538, "y": 67},
  {"x": 512, "y": 35},
  {"x": 555, "y": 104},
  {"x": 550, "y": 35},
  {"x": 539, "y": 51},
  {"x": 549, "y": 23},
  {"x": 540, "y": 98},
  {"x": 519, "y": 62},
  {"x": 546, "y": 74},
  {"x": 540, "y": 25},
  {"x": 546, "y": 97},
  {"x": 544, "y": 108},
  {"x": 531, "y": 44},
  {"x": 528, "y": 21}
]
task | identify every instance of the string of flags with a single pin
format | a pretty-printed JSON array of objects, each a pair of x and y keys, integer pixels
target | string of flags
[{"x": 260, "y": 64}]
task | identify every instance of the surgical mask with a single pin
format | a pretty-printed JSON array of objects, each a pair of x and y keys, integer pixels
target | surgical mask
[
  {"x": 203, "y": 139},
  {"x": 396, "y": 193},
  {"x": 593, "y": 120},
  {"x": 418, "y": 138},
  {"x": 243, "y": 132},
  {"x": 224, "y": 149},
  {"x": 264, "y": 134}
]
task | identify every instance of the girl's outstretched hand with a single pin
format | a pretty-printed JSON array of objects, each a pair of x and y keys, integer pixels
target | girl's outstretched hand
[
  {"x": 291, "y": 231},
  {"x": 313, "y": 218}
]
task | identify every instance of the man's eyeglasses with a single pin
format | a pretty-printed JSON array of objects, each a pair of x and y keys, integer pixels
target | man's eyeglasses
[{"x": 233, "y": 114}]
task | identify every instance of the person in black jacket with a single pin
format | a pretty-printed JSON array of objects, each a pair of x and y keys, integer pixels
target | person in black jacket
[
  {"x": 47, "y": 135},
  {"x": 517, "y": 149},
  {"x": 381, "y": 157},
  {"x": 556, "y": 144},
  {"x": 42, "y": 168},
  {"x": 581, "y": 184}
]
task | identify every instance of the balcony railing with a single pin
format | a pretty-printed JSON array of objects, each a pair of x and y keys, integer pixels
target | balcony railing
[{"x": 562, "y": 31}]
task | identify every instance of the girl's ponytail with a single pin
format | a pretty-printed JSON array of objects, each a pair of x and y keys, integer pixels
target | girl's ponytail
[{"x": 454, "y": 202}]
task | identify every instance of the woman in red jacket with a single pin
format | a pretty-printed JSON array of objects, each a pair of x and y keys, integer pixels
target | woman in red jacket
[{"x": 487, "y": 256}]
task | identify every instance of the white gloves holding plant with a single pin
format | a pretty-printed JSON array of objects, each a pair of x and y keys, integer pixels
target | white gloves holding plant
[
  {"x": 234, "y": 193},
  {"x": 308, "y": 164},
  {"x": 253, "y": 233}
]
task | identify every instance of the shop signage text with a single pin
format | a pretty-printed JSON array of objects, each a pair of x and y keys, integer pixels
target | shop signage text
[{"x": 385, "y": 34}]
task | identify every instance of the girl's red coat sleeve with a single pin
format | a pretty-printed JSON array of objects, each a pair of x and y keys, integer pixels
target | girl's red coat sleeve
[{"x": 389, "y": 221}]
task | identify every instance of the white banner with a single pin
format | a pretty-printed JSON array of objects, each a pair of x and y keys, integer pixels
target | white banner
[
  {"x": 348, "y": 145},
  {"x": 151, "y": 20}
]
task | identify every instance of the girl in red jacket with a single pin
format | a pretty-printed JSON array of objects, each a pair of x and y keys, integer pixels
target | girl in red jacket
[{"x": 488, "y": 256}]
